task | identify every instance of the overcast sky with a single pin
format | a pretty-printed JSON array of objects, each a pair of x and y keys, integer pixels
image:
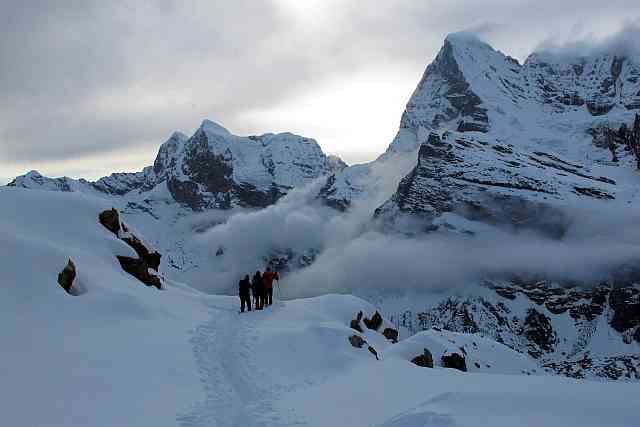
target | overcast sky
[{"x": 93, "y": 87}]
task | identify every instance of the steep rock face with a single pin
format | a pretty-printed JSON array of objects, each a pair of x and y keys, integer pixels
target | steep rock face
[
  {"x": 444, "y": 95},
  {"x": 459, "y": 90},
  {"x": 492, "y": 183},
  {"x": 539, "y": 332},
  {"x": 597, "y": 82}
]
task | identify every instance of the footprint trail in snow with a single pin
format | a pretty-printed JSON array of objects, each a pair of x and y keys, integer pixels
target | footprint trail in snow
[{"x": 237, "y": 392}]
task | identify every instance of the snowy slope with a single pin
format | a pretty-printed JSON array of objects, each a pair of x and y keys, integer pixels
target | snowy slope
[
  {"x": 121, "y": 353},
  {"x": 103, "y": 357}
]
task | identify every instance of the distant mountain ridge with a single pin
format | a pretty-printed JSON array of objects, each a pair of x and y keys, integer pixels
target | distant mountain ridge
[{"x": 213, "y": 169}]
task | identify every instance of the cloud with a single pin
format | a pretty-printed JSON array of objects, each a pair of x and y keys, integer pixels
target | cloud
[
  {"x": 351, "y": 254},
  {"x": 88, "y": 78},
  {"x": 623, "y": 42}
]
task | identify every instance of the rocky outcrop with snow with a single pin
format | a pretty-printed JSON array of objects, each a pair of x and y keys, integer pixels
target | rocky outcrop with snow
[{"x": 582, "y": 332}]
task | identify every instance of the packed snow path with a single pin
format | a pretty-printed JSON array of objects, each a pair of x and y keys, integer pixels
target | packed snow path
[{"x": 238, "y": 392}]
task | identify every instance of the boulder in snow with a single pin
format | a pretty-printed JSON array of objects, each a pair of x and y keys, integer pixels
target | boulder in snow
[
  {"x": 356, "y": 325},
  {"x": 425, "y": 359},
  {"x": 152, "y": 258},
  {"x": 357, "y": 341},
  {"x": 139, "y": 269},
  {"x": 67, "y": 276},
  {"x": 391, "y": 334},
  {"x": 454, "y": 361},
  {"x": 111, "y": 220},
  {"x": 374, "y": 323}
]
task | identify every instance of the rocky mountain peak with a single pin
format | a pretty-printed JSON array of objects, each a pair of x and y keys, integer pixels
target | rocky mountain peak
[
  {"x": 168, "y": 153},
  {"x": 211, "y": 127},
  {"x": 466, "y": 39}
]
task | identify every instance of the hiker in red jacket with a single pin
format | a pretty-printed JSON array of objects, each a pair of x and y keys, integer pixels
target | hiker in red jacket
[{"x": 267, "y": 280}]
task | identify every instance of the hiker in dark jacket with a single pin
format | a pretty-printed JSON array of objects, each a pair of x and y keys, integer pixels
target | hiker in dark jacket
[
  {"x": 259, "y": 289},
  {"x": 243, "y": 292},
  {"x": 254, "y": 292}
]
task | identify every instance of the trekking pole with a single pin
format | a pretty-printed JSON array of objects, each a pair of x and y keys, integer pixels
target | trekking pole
[{"x": 279, "y": 290}]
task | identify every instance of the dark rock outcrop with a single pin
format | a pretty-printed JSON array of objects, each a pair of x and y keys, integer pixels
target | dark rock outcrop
[
  {"x": 356, "y": 325},
  {"x": 539, "y": 332},
  {"x": 454, "y": 361},
  {"x": 147, "y": 259},
  {"x": 374, "y": 352},
  {"x": 391, "y": 334},
  {"x": 152, "y": 258},
  {"x": 67, "y": 276},
  {"x": 374, "y": 323},
  {"x": 111, "y": 220},
  {"x": 139, "y": 269},
  {"x": 424, "y": 360},
  {"x": 357, "y": 341},
  {"x": 625, "y": 302}
]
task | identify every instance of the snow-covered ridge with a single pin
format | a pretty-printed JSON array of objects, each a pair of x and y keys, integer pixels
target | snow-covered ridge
[{"x": 212, "y": 169}]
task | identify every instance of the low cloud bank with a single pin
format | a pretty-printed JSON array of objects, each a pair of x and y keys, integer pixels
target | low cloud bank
[
  {"x": 351, "y": 254},
  {"x": 623, "y": 43}
]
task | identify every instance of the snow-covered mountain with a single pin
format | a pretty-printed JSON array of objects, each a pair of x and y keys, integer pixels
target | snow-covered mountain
[
  {"x": 212, "y": 169},
  {"x": 485, "y": 144},
  {"x": 479, "y": 99}
]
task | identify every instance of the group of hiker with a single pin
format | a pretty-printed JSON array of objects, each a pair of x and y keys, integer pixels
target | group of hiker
[{"x": 260, "y": 286}]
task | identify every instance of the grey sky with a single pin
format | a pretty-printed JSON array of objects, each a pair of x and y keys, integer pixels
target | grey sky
[{"x": 91, "y": 87}]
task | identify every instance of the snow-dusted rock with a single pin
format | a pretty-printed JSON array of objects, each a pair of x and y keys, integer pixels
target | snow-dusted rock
[{"x": 457, "y": 350}]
